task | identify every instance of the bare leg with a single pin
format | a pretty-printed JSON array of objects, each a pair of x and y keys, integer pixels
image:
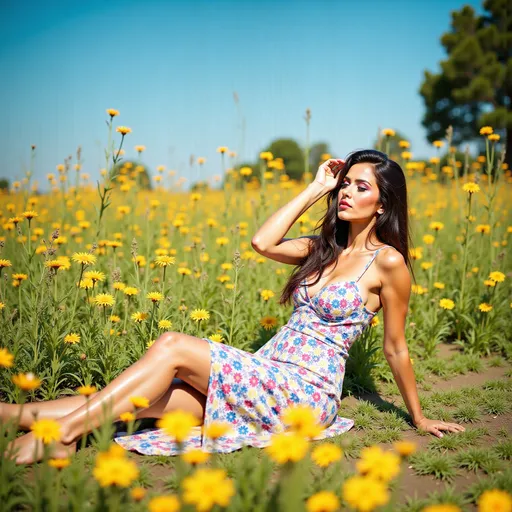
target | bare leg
[
  {"x": 180, "y": 395},
  {"x": 173, "y": 354}
]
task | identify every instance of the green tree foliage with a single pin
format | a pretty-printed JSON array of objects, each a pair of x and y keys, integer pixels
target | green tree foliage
[
  {"x": 143, "y": 178},
  {"x": 292, "y": 155},
  {"x": 474, "y": 87},
  {"x": 315, "y": 155},
  {"x": 4, "y": 184}
]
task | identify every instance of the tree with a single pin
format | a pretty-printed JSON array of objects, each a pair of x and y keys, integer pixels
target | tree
[
  {"x": 292, "y": 155},
  {"x": 474, "y": 87},
  {"x": 315, "y": 155}
]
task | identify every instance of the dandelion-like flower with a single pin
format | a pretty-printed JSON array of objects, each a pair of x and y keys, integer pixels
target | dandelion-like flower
[
  {"x": 484, "y": 307},
  {"x": 104, "y": 299},
  {"x": 164, "y": 504},
  {"x": 6, "y": 358},
  {"x": 388, "y": 132},
  {"x": 113, "y": 469},
  {"x": 325, "y": 454},
  {"x": 287, "y": 447},
  {"x": 138, "y": 494},
  {"x": 268, "y": 322},
  {"x": 26, "y": 381},
  {"x": 123, "y": 130},
  {"x": 471, "y": 188},
  {"x": 112, "y": 112},
  {"x": 217, "y": 429},
  {"x": 446, "y": 303},
  {"x": 365, "y": 493},
  {"x": 72, "y": 338},
  {"x": 155, "y": 297},
  {"x": 139, "y": 316},
  {"x": 195, "y": 456},
  {"x": 494, "y": 500},
  {"x": 140, "y": 402},
  {"x": 378, "y": 464},
  {"x": 486, "y": 130},
  {"x": 323, "y": 501},
  {"x": 59, "y": 463},
  {"x": 199, "y": 315},
  {"x": 47, "y": 430},
  {"x": 164, "y": 324},
  {"x": 497, "y": 276},
  {"x": 405, "y": 448},
  {"x": 29, "y": 214},
  {"x": 178, "y": 424},
  {"x": 164, "y": 260},
  {"x": 5, "y": 263},
  {"x": 84, "y": 258},
  {"x": 208, "y": 487},
  {"x": 86, "y": 390}
]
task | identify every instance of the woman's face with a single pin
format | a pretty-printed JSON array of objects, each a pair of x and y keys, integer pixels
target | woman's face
[{"x": 358, "y": 189}]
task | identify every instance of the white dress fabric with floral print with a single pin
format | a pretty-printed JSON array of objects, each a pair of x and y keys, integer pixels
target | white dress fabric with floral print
[{"x": 303, "y": 363}]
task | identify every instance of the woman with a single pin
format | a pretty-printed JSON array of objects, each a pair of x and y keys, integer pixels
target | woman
[{"x": 304, "y": 363}]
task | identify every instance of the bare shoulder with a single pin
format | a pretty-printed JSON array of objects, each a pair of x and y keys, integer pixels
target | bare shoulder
[{"x": 392, "y": 265}]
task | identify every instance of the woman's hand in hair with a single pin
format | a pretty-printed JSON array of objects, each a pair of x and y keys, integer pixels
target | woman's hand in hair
[{"x": 327, "y": 172}]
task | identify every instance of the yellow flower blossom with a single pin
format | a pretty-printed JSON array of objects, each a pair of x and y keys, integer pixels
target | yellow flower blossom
[{"x": 47, "y": 430}]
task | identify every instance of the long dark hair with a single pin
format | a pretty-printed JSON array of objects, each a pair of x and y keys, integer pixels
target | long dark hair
[{"x": 391, "y": 227}]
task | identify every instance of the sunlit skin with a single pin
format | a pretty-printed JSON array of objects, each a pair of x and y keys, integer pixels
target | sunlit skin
[{"x": 178, "y": 355}]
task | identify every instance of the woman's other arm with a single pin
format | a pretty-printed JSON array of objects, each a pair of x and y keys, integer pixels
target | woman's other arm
[{"x": 395, "y": 294}]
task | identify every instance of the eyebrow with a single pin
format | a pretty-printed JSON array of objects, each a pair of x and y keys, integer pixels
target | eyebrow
[{"x": 360, "y": 181}]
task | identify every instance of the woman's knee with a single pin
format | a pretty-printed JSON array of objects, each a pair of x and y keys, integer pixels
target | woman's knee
[{"x": 170, "y": 343}]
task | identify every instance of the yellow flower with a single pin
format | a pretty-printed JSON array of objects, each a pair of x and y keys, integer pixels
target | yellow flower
[
  {"x": 199, "y": 314},
  {"x": 138, "y": 494},
  {"x": 442, "y": 507},
  {"x": 155, "y": 296},
  {"x": 426, "y": 265},
  {"x": 436, "y": 226},
  {"x": 115, "y": 319},
  {"x": 104, "y": 299},
  {"x": 364, "y": 493},
  {"x": 377, "y": 463},
  {"x": 113, "y": 469},
  {"x": 222, "y": 149},
  {"x": 438, "y": 285},
  {"x": 216, "y": 337},
  {"x": 86, "y": 390},
  {"x": 428, "y": 239},
  {"x": 72, "y": 338},
  {"x": 217, "y": 429},
  {"x": 26, "y": 381},
  {"x": 484, "y": 307},
  {"x": 497, "y": 276},
  {"x": 20, "y": 277},
  {"x": 325, "y": 454},
  {"x": 438, "y": 143},
  {"x": 483, "y": 228},
  {"x": 164, "y": 504},
  {"x": 139, "y": 316},
  {"x": 268, "y": 322},
  {"x": 130, "y": 290},
  {"x": 266, "y": 155},
  {"x": 495, "y": 500},
  {"x": 287, "y": 447},
  {"x": 112, "y": 112},
  {"x": 59, "y": 463},
  {"x": 123, "y": 130},
  {"x": 489, "y": 282},
  {"x": 164, "y": 260},
  {"x": 140, "y": 149},
  {"x": 127, "y": 417},
  {"x": 486, "y": 130},
  {"x": 207, "y": 487},
  {"x": 140, "y": 402},
  {"x": 178, "y": 424},
  {"x": 375, "y": 321},
  {"x": 6, "y": 358},
  {"x": 446, "y": 303},
  {"x": 47, "y": 430},
  {"x": 323, "y": 501},
  {"x": 388, "y": 132},
  {"x": 29, "y": 214},
  {"x": 164, "y": 324},
  {"x": 195, "y": 456},
  {"x": 266, "y": 294},
  {"x": 405, "y": 448},
  {"x": 302, "y": 419},
  {"x": 494, "y": 137},
  {"x": 471, "y": 188},
  {"x": 95, "y": 275},
  {"x": 404, "y": 144}
]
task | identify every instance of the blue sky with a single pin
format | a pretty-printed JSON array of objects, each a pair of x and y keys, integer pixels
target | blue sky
[{"x": 171, "y": 68}]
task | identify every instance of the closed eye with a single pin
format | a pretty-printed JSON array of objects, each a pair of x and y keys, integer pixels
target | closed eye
[{"x": 361, "y": 189}]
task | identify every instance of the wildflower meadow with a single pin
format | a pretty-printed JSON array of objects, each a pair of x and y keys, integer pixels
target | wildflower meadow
[{"x": 93, "y": 272}]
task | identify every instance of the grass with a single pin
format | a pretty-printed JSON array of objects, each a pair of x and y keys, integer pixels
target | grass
[{"x": 440, "y": 466}]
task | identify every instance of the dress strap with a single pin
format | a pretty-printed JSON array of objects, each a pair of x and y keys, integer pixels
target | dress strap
[{"x": 371, "y": 261}]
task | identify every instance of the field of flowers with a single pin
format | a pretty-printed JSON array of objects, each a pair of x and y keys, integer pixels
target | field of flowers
[{"x": 91, "y": 275}]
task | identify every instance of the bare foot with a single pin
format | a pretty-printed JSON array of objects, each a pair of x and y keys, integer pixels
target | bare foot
[{"x": 27, "y": 443}]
